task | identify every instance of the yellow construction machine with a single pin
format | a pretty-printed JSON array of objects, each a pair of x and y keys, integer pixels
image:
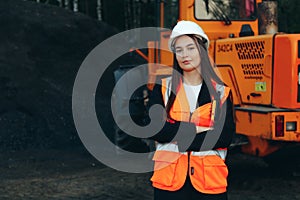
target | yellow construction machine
[{"x": 263, "y": 70}]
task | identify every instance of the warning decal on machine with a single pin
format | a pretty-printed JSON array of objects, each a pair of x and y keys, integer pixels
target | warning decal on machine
[{"x": 260, "y": 86}]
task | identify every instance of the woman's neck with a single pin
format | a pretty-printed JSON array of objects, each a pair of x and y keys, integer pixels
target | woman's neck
[{"x": 192, "y": 78}]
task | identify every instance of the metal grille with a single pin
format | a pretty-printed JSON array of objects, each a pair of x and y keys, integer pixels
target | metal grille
[
  {"x": 250, "y": 50},
  {"x": 252, "y": 69}
]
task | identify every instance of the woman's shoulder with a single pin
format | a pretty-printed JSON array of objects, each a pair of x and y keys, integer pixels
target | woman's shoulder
[
  {"x": 165, "y": 82},
  {"x": 167, "y": 79},
  {"x": 223, "y": 90}
]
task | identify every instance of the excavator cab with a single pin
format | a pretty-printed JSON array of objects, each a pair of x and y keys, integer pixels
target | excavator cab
[{"x": 219, "y": 19}]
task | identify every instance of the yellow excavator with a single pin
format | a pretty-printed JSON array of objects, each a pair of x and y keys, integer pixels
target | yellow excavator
[{"x": 263, "y": 70}]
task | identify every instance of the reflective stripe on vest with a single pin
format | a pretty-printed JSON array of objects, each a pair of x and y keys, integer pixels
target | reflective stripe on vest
[
  {"x": 172, "y": 147},
  {"x": 207, "y": 170}
]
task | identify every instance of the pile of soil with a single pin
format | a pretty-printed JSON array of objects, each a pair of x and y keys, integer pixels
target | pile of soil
[{"x": 42, "y": 48}]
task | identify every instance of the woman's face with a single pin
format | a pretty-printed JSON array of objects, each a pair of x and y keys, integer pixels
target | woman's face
[{"x": 187, "y": 53}]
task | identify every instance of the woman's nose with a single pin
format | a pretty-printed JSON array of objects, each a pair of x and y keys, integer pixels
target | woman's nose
[{"x": 184, "y": 53}]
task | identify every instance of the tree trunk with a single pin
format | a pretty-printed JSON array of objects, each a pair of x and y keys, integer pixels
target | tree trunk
[
  {"x": 99, "y": 10},
  {"x": 127, "y": 14},
  {"x": 75, "y": 5},
  {"x": 67, "y": 3},
  {"x": 137, "y": 13},
  {"x": 60, "y": 3},
  {"x": 267, "y": 17}
]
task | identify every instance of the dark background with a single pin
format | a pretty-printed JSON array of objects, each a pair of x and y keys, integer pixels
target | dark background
[
  {"x": 127, "y": 14},
  {"x": 42, "y": 46}
]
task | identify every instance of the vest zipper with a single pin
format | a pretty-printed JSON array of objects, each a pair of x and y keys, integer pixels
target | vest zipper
[{"x": 189, "y": 153}]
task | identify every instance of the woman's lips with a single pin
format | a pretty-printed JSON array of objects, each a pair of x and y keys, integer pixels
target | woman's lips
[{"x": 186, "y": 62}]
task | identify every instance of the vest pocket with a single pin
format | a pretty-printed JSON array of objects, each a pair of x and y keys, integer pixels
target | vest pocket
[
  {"x": 215, "y": 172},
  {"x": 164, "y": 168}
]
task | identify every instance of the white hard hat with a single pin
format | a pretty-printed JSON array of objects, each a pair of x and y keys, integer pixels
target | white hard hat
[{"x": 187, "y": 27}]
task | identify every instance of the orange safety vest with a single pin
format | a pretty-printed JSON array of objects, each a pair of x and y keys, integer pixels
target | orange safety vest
[{"x": 206, "y": 169}]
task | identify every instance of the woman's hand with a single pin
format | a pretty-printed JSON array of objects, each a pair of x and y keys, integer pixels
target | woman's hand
[{"x": 200, "y": 129}]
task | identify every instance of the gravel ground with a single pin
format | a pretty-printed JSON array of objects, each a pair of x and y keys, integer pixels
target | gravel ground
[{"x": 74, "y": 174}]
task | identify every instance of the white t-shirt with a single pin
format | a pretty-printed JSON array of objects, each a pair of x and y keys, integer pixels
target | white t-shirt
[{"x": 192, "y": 92}]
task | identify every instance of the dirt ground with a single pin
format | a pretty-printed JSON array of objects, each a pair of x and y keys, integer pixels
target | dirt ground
[{"x": 75, "y": 174}]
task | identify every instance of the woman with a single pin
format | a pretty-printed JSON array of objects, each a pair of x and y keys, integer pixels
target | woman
[{"x": 191, "y": 147}]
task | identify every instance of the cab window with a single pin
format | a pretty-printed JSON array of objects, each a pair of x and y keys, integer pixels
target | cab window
[{"x": 221, "y": 9}]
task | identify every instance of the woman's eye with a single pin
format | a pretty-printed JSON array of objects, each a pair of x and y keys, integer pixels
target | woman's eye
[
  {"x": 178, "y": 51},
  {"x": 191, "y": 48}
]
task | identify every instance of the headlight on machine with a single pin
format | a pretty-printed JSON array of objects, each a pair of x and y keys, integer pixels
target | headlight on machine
[{"x": 291, "y": 126}]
